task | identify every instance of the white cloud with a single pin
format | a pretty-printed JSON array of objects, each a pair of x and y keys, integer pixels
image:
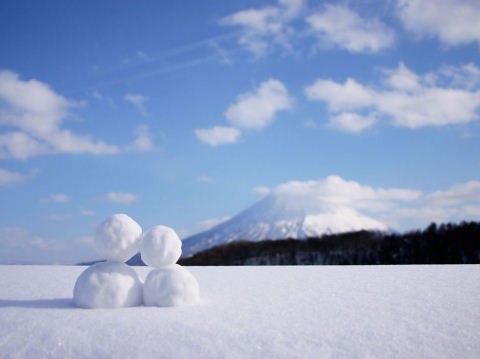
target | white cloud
[
  {"x": 453, "y": 22},
  {"x": 121, "y": 197},
  {"x": 57, "y": 198},
  {"x": 402, "y": 79},
  {"x": 264, "y": 28},
  {"x": 257, "y": 109},
  {"x": 143, "y": 142},
  {"x": 340, "y": 97},
  {"x": 9, "y": 178},
  {"x": 339, "y": 26},
  {"x": 464, "y": 193},
  {"x": 352, "y": 122},
  {"x": 408, "y": 99},
  {"x": 399, "y": 208},
  {"x": 37, "y": 112},
  {"x": 334, "y": 191},
  {"x": 218, "y": 135},
  {"x": 457, "y": 203},
  {"x": 138, "y": 101},
  {"x": 253, "y": 110},
  {"x": 86, "y": 212}
]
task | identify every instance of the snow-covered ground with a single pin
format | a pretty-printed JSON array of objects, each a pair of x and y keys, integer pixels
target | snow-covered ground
[{"x": 253, "y": 312}]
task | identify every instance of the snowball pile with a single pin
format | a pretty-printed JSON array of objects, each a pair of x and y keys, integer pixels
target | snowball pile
[
  {"x": 169, "y": 284},
  {"x": 113, "y": 284}
]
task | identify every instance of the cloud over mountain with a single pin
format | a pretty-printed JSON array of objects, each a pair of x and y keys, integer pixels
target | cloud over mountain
[{"x": 300, "y": 209}]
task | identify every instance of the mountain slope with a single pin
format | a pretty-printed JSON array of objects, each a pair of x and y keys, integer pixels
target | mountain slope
[{"x": 282, "y": 215}]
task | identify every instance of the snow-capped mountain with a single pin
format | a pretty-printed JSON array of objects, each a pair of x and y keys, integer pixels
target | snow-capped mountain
[{"x": 285, "y": 213}]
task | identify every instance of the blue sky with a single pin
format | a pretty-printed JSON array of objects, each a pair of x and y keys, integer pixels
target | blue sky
[{"x": 186, "y": 113}]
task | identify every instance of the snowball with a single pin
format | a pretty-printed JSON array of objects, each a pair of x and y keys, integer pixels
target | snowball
[
  {"x": 118, "y": 238},
  {"x": 160, "y": 247},
  {"x": 108, "y": 285},
  {"x": 170, "y": 286}
]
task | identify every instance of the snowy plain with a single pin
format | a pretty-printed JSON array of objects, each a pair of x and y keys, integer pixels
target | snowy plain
[{"x": 253, "y": 312}]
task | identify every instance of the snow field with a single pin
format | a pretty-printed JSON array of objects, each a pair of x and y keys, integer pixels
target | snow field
[{"x": 253, "y": 312}]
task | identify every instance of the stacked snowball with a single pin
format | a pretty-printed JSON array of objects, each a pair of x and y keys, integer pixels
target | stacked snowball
[
  {"x": 169, "y": 284},
  {"x": 113, "y": 284}
]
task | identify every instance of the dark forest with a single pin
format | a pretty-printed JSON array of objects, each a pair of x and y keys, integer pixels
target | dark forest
[{"x": 437, "y": 244}]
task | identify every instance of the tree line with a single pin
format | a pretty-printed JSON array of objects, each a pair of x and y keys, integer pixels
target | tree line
[{"x": 437, "y": 244}]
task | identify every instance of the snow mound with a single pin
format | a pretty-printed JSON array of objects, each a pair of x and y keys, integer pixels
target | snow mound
[
  {"x": 170, "y": 286},
  {"x": 160, "y": 246},
  {"x": 108, "y": 285},
  {"x": 118, "y": 237}
]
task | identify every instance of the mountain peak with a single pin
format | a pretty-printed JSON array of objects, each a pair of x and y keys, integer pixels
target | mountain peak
[{"x": 292, "y": 210}]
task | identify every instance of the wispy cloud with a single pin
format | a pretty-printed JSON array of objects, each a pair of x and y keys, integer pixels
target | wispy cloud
[
  {"x": 57, "y": 217},
  {"x": 19, "y": 246},
  {"x": 57, "y": 198},
  {"x": 10, "y": 178},
  {"x": 143, "y": 141},
  {"x": 209, "y": 50},
  {"x": 205, "y": 179},
  {"x": 138, "y": 101},
  {"x": 37, "y": 114},
  {"x": 86, "y": 212},
  {"x": 262, "y": 191},
  {"x": 406, "y": 98},
  {"x": 121, "y": 197}
]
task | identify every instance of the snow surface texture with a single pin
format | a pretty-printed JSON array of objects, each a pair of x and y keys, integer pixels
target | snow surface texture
[
  {"x": 160, "y": 246},
  {"x": 282, "y": 215},
  {"x": 108, "y": 285},
  {"x": 118, "y": 238},
  {"x": 253, "y": 312},
  {"x": 170, "y": 286}
]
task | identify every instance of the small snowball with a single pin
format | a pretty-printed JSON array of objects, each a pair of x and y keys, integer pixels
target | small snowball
[
  {"x": 160, "y": 247},
  {"x": 108, "y": 285},
  {"x": 118, "y": 238},
  {"x": 170, "y": 286}
]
